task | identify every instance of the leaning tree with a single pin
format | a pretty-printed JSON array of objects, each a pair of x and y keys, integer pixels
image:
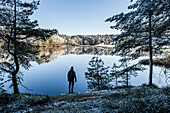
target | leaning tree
[
  {"x": 145, "y": 29},
  {"x": 17, "y": 32}
]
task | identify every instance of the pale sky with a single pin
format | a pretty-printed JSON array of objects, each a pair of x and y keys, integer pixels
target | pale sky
[{"x": 73, "y": 17}]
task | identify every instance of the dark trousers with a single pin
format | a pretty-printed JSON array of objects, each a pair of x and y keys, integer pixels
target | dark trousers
[{"x": 71, "y": 84}]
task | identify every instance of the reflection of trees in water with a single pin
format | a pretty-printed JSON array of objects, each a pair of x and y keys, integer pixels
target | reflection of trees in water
[
  {"x": 125, "y": 71},
  {"x": 122, "y": 73},
  {"x": 17, "y": 32},
  {"x": 89, "y": 50},
  {"x": 119, "y": 73},
  {"x": 44, "y": 55},
  {"x": 48, "y": 54},
  {"x": 25, "y": 54},
  {"x": 164, "y": 73},
  {"x": 168, "y": 81},
  {"x": 167, "y": 73}
]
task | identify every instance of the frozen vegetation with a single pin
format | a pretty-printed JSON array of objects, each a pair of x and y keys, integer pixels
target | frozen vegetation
[
  {"x": 59, "y": 39},
  {"x": 134, "y": 99},
  {"x": 145, "y": 31}
]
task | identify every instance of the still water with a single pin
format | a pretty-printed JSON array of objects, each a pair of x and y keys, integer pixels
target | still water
[{"x": 48, "y": 74}]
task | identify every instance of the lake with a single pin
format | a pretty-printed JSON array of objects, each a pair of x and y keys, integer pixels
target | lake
[{"x": 48, "y": 73}]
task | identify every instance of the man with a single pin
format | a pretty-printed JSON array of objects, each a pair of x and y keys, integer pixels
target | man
[{"x": 71, "y": 76}]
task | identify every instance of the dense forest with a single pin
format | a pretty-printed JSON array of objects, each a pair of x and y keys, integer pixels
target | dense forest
[
  {"x": 56, "y": 39},
  {"x": 59, "y": 40}
]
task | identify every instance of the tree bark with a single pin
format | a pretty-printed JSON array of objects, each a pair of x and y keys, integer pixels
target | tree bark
[
  {"x": 150, "y": 52},
  {"x": 116, "y": 81},
  {"x": 15, "y": 85},
  {"x": 98, "y": 81},
  {"x": 127, "y": 82},
  {"x": 14, "y": 74}
]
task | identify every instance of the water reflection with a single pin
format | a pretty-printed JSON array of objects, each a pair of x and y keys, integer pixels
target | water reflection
[
  {"x": 125, "y": 71},
  {"x": 48, "y": 54},
  {"x": 48, "y": 74},
  {"x": 11, "y": 60}
]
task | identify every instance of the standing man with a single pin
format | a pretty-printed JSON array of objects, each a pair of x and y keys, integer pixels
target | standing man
[{"x": 71, "y": 76}]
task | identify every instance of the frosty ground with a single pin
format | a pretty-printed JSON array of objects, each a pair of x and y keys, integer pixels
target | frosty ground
[{"x": 134, "y": 99}]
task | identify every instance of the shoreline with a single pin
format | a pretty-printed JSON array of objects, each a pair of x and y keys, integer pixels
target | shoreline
[
  {"x": 132, "y": 99},
  {"x": 165, "y": 62}
]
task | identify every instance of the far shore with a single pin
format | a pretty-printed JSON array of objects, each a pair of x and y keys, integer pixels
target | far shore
[{"x": 60, "y": 45}]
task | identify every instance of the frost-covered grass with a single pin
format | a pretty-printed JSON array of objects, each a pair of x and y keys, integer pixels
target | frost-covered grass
[
  {"x": 135, "y": 99},
  {"x": 20, "y": 102}
]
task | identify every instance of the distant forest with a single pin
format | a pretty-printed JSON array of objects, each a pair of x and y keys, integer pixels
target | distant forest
[
  {"x": 60, "y": 39},
  {"x": 56, "y": 39}
]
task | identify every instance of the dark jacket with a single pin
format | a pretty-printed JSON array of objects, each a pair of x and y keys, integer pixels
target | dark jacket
[{"x": 71, "y": 76}]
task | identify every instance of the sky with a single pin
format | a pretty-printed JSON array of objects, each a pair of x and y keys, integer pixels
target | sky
[{"x": 75, "y": 17}]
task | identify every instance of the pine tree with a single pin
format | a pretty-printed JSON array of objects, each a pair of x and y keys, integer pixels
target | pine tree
[
  {"x": 125, "y": 71},
  {"x": 147, "y": 22},
  {"x": 97, "y": 75},
  {"x": 114, "y": 75},
  {"x": 17, "y": 32}
]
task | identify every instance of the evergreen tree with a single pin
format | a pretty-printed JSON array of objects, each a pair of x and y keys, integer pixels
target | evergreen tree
[
  {"x": 113, "y": 73},
  {"x": 1, "y": 85},
  {"x": 97, "y": 75},
  {"x": 125, "y": 71},
  {"x": 128, "y": 70},
  {"x": 147, "y": 21},
  {"x": 17, "y": 32}
]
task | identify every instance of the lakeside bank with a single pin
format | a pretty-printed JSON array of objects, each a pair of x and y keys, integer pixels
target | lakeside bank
[{"x": 134, "y": 99}]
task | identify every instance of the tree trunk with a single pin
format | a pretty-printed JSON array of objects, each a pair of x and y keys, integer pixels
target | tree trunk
[
  {"x": 15, "y": 85},
  {"x": 98, "y": 83},
  {"x": 116, "y": 81},
  {"x": 150, "y": 52},
  {"x": 98, "y": 79},
  {"x": 127, "y": 79},
  {"x": 14, "y": 74}
]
